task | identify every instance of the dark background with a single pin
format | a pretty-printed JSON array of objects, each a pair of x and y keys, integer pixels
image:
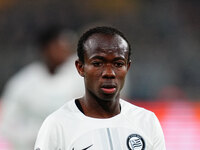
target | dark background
[{"x": 164, "y": 35}]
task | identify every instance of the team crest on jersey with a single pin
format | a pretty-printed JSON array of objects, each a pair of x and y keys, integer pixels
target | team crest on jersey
[{"x": 135, "y": 142}]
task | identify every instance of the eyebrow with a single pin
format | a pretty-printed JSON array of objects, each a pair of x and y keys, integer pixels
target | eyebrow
[
  {"x": 119, "y": 58},
  {"x": 102, "y": 58},
  {"x": 97, "y": 57}
]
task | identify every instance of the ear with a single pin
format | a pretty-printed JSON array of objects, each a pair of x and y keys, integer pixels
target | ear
[
  {"x": 80, "y": 67},
  {"x": 128, "y": 65}
]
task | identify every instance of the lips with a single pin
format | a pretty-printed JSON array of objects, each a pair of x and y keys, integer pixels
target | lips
[{"x": 108, "y": 88}]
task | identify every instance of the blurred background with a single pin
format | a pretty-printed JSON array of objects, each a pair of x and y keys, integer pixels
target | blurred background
[{"x": 164, "y": 34}]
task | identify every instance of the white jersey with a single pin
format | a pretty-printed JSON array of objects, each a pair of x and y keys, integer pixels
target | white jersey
[
  {"x": 68, "y": 128},
  {"x": 31, "y": 95}
]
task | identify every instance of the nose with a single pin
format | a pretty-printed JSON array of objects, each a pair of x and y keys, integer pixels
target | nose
[{"x": 108, "y": 72}]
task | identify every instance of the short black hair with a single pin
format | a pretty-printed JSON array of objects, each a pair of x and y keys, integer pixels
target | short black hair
[
  {"x": 49, "y": 34},
  {"x": 104, "y": 30}
]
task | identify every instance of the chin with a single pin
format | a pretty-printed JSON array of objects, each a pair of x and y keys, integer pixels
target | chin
[{"x": 108, "y": 97}]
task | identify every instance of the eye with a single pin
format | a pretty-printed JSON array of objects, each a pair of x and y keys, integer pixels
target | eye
[
  {"x": 97, "y": 64},
  {"x": 119, "y": 64}
]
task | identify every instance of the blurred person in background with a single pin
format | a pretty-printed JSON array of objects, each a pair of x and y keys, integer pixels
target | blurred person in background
[{"x": 40, "y": 88}]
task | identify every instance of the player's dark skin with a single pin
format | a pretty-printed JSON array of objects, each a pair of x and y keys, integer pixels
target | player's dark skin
[
  {"x": 55, "y": 53},
  {"x": 104, "y": 69}
]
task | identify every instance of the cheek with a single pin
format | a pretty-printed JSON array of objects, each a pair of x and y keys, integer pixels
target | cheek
[
  {"x": 91, "y": 79},
  {"x": 92, "y": 74},
  {"x": 121, "y": 75}
]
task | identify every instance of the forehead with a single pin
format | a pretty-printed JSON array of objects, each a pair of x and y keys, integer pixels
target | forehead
[{"x": 108, "y": 44}]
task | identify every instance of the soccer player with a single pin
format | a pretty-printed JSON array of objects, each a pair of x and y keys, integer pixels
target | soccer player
[{"x": 101, "y": 120}]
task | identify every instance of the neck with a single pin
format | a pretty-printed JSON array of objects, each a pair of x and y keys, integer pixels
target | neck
[
  {"x": 98, "y": 108},
  {"x": 52, "y": 68}
]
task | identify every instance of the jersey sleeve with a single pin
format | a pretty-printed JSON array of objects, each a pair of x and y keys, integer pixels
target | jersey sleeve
[
  {"x": 47, "y": 136},
  {"x": 158, "y": 136}
]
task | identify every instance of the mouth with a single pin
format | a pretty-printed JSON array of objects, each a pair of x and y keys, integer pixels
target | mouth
[{"x": 108, "y": 88}]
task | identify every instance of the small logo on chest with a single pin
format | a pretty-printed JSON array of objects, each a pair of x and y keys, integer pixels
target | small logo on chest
[{"x": 135, "y": 142}]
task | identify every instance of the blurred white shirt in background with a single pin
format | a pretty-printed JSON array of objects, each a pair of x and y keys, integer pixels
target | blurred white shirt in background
[{"x": 31, "y": 95}]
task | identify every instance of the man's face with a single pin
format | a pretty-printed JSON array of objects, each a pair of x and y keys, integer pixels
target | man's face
[
  {"x": 106, "y": 65},
  {"x": 57, "y": 51}
]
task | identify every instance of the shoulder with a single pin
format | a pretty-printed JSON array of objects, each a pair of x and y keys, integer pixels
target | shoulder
[
  {"x": 69, "y": 64},
  {"x": 139, "y": 113},
  {"x": 133, "y": 108},
  {"x": 67, "y": 111},
  {"x": 16, "y": 83},
  {"x": 144, "y": 120},
  {"x": 26, "y": 72}
]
